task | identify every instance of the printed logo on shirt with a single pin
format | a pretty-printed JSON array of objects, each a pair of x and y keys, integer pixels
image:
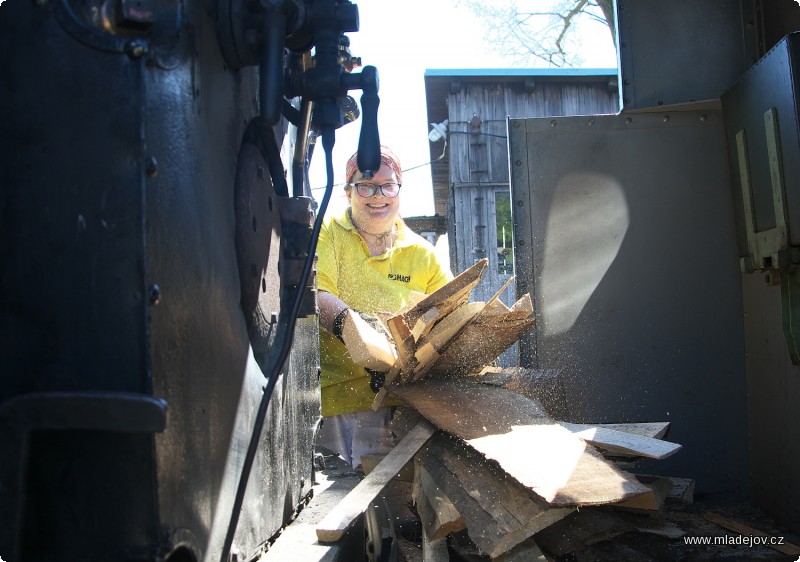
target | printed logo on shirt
[{"x": 398, "y": 277}]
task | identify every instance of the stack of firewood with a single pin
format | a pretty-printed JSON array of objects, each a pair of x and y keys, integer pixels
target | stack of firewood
[
  {"x": 489, "y": 457},
  {"x": 439, "y": 334}
]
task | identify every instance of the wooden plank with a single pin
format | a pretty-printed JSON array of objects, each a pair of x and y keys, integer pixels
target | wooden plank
[
  {"x": 438, "y": 515},
  {"x": 425, "y": 323},
  {"x": 370, "y": 461},
  {"x": 449, "y": 326},
  {"x": 367, "y": 347},
  {"x": 477, "y": 345},
  {"x": 623, "y": 442},
  {"x": 516, "y": 432},
  {"x": 742, "y": 529},
  {"x": 334, "y": 525},
  {"x": 656, "y": 430},
  {"x": 498, "y": 512},
  {"x": 451, "y": 295},
  {"x": 434, "y": 550},
  {"x": 298, "y": 542},
  {"x": 479, "y": 352},
  {"x": 653, "y": 500},
  {"x": 543, "y": 385},
  {"x": 581, "y": 529},
  {"x": 427, "y": 356},
  {"x": 403, "y": 341}
]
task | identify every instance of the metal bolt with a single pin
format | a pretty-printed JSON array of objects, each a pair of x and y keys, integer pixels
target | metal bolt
[
  {"x": 553, "y": 123},
  {"x": 154, "y": 293},
  {"x": 665, "y": 119},
  {"x": 518, "y": 163},
  {"x": 136, "y": 48},
  {"x": 703, "y": 117},
  {"x": 520, "y": 203},
  {"x": 591, "y": 122},
  {"x": 151, "y": 168},
  {"x": 628, "y": 120}
]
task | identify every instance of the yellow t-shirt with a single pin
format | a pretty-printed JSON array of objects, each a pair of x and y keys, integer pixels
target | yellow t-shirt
[{"x": 369, "y": 284}]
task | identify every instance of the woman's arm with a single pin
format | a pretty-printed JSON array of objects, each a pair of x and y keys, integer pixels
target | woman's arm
[{"x": 329, "y": 307}]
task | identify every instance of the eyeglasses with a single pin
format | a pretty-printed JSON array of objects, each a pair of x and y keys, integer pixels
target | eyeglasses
[{"x": 390, "y": 189}]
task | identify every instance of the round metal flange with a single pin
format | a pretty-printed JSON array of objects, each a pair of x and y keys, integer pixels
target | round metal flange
[{"x": 258, "y": 246}]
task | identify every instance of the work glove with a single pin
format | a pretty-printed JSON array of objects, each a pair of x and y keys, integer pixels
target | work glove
[
  {"x": 376, "y": 379},
  {"x": 373, "y": 321}
]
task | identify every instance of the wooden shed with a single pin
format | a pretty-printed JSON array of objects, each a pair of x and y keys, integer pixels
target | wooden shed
[{"x": 470, "y": 169}]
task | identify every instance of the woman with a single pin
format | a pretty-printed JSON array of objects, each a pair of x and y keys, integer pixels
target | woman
[{"x": 369, "y": 261}]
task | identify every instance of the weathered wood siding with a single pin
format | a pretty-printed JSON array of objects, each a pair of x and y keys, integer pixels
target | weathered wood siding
[{"x": 478, "y": 155}]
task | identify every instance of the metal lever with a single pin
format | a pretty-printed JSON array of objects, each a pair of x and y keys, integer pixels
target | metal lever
[{"x": 369, "y": 141}]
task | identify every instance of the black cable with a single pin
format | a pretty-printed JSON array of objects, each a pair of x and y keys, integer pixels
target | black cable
[{"x": 328, "y": 140}]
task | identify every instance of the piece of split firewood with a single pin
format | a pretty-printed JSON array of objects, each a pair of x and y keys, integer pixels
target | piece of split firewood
[{"x": 366, "y": 346}]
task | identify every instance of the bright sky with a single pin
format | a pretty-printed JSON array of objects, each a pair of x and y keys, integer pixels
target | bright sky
[{"x": 402, "y": 39}]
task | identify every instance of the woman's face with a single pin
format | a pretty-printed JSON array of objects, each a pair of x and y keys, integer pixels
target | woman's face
[{"x": 374, "y": 214}]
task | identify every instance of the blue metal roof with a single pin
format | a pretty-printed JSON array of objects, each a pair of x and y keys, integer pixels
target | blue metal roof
[{"x": 518, "y": 72}]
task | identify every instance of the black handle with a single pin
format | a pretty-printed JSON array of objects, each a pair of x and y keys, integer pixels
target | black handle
[{"x": 369, "y": 142}]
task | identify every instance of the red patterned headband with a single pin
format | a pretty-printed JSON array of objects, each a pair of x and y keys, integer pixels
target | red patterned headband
[{"x": 388, "y": 158}]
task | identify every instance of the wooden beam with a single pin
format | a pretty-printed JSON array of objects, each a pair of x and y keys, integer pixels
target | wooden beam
[
  {"x": 516, "y": 432},
  {"x": 438, "y": 515},
  {"x": 334, "y": 525},
  {"x": 498, "y": 512}
]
